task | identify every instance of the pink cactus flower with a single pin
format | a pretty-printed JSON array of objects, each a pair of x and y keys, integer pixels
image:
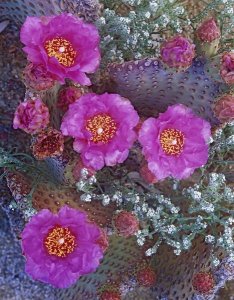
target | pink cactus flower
[
  {"x": 176, "y": 143},
  {"x": 126, "y": 223},
  {"x": 37, "y": 77},
  {"x": 203, "y": 282},
  {"x": 224, "y": 108},
  {"x": 59, "y": 248},
  {"x": 65, "y": 45},
  {"x": 208, "y": 31},
  {"x": 146, "y": 277},
  {"x": 178, "y": 52},
  {"x": 103, "y": 128},
  {"x": 32, "y": 116},
  {"x": 48, "y": 143},
  {"x": 67, "y": 96},
  {"x": 227, "y": 67}
]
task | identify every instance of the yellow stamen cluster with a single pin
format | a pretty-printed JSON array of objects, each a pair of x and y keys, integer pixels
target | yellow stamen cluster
[
  {"x": 102, "y": 127},
  {"x": 60, "y": 241},
  {"x": 61, "y": 49},
  {"x": 172, "y": 141}
]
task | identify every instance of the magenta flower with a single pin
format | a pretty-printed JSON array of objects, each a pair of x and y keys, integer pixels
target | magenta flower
[
  {"x": 60, "y": 248},
  {"x": 64, "y": 44},
  {"x": 227, "y": 67},
  {"x": 208, "y": 31},
  {"x": 178, "y": 52},
  {"x": 37, "y": 77},
  {"x": 103, "y": 128},
  {"x": 175, "y": 143},
  {"x": 31, "y": 116}
]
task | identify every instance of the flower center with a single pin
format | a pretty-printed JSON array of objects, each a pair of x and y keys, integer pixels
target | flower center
[
  {"x": 61, "y": 49},
  {"x": 172, "y": 141},
  {"x": 102, "y": 127},
  {"x": 60, "y": 241}
]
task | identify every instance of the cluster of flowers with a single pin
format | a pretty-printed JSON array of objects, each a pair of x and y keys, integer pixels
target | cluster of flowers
[
  {"x": 68, "y": 245},
  {"x": 104, "y": 128}
]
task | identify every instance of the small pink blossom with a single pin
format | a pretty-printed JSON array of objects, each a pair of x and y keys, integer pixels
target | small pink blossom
[
  {"x": 178, "y": 52},
  {"x": 224, "y": 108},
  {"x": 67, "y": 96},
  {"x": 37, "y": 77},
  {"x": 208, "y": 31},
  {"x": 31, "y": 116},
  {"x": 126, "y": 223},
  {"x": 227, "y": 67}
]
